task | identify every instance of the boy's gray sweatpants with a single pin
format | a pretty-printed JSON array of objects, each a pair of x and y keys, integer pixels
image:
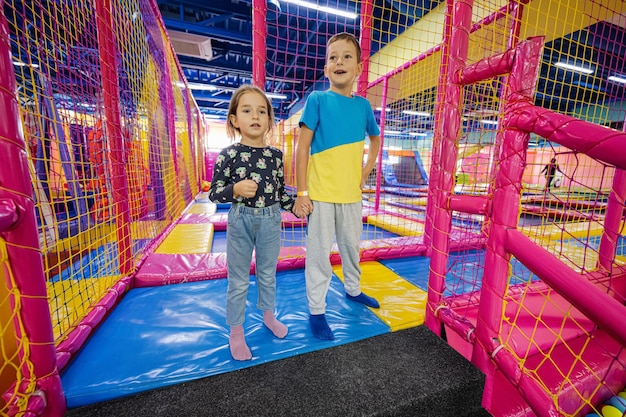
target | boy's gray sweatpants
[{"x": 326, "y": 220}]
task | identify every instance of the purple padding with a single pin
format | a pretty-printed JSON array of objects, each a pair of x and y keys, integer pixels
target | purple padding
[
  {"x": 591, "y": 362},
  {"x": 165, "y": 269},
  {"x": 533, "y": 305},
  {"x": 220, "y": 220},
  {"x": 199, "y": 218}
]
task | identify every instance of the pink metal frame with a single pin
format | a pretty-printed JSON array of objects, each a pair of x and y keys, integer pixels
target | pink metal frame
[
  {"x": 18, "y": 227},
  {"x": 18, "y": 224}
]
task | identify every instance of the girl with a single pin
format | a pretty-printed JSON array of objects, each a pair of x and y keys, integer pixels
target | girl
[{"x": 249, "y": 174}]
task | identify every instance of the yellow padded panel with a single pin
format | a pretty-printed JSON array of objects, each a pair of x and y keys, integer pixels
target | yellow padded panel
[
  {"x": 402, "y": 304},
  {"x": 567, "y": 230},
  {"x": 398, "y": 225},
  {"x": 188, "y": 238},
  {"x": 415, "y": 201},
  {"x": 202, "y": 208}
]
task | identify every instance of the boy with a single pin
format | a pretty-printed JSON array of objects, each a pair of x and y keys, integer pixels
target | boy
[{"x": 332, "y": 130}]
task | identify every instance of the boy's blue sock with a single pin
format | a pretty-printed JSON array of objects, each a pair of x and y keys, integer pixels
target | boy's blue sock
[
  {"x": 364, "y": 299},
  {"x": 320, "y": 327}
]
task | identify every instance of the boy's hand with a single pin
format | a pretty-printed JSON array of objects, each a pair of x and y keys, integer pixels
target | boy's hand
[
  {"x": 303, "y": 207},
  {"x": 245, "y": 189}
]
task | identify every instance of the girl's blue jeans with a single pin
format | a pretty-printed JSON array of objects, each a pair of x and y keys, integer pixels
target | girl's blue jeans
[{"x": 251, "y": 229}]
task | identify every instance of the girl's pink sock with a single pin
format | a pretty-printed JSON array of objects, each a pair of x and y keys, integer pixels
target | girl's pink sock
[
  {"x": 238, "y": 347},
  {"x": 279, "y": 329}
]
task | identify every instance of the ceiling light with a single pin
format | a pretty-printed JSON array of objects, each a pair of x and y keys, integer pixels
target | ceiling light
[
  {"x": 617, "y": 79},
  {"x": 276, "y": 96},
  {"x": 322, "y": 8},
  {"x": 381, "y": 109},
  {"x": 573, "y": 68},
  {"x": 489, "y": 122},
  {"x": 416, "y": 113},
  {"x": 421, "y": 134},
  {"x": 23, "y": 64},
  {"x": 393, "y": 132},
  {"x": 201, "y": 87}
]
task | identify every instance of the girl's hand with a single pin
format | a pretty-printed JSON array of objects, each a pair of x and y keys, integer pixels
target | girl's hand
[
  {"x": 303, "y": 207},
  {"x": 245, "y": 189}
]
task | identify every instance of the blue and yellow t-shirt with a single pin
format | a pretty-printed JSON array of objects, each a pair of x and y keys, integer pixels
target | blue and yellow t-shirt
[{"x": 339, "y": 126}]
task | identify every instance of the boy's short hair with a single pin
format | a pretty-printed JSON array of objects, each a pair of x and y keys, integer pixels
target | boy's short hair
[{"x": 345, "y": 36}]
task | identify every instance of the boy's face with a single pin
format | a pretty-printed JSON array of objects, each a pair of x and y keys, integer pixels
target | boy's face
[{"x": 342, "y": 67}]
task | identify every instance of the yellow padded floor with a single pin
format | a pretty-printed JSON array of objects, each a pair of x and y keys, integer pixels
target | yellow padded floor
[
  {"x": 202, "y": 208},
  {"x": 398, "y": 225},
  {"x": 188, "y": 238},
  {"x": 558, "y": 231},
  {"x": 402, "y": 304}
]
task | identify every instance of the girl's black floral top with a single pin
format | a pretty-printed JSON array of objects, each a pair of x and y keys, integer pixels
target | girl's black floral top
[{"x": 264, "y": 166}]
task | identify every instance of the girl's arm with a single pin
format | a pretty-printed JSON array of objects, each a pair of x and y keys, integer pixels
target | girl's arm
[{"x": 222, "y": 185}]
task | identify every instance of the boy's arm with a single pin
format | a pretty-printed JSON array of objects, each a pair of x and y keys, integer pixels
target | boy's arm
[
  {"x": 303, "y": 150},
  {"x": 372, "y": 155},
  {"x": 303, "y": 202}
]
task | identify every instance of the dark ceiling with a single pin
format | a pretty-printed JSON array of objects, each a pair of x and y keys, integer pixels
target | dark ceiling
[
  {"x": 221, "y": 33},
  {"x": 228, "y": 25},
  {"x": 294, "y": 64}
]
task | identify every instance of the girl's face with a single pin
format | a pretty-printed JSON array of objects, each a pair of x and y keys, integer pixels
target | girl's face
[
  {"x": 252, "y": 118},
  {"x": 342, "y": 67}
]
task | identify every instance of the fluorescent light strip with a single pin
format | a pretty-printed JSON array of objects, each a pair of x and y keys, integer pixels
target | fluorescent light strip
[
  {"x": 574, "y": 68},
  {"x": 276, "y": 96},
  {"x": 489, "y": 122},
  {"x": 201, "y": 87},
  {"x": 392, "y": 132},
  {"x": 211, "y": 87},
  {"x": 381, "y": 109},
  {"x": 22, "y": 64},
  {"x": 322, "y": 8},
  {"x": 416, "y": 113},
  {"x": 420, "y": 134},
  {"x": 617, "y": 79}
]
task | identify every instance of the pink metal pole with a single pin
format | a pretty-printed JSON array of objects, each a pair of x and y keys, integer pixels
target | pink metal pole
[
  {"x": 433, "y": 175},
  {"x": 39, "y": 390},
  {"x": 612, "y": 220},
  {"x": 505, "y": 210},
  {"x": 473, "y": 204},
  {"x": 591, "y": 139},
  {"x": 515, "y": 10},
  {"x": 379, "y": 166},
  {"x": 110, "y": 89},
  {"x": 367, "y": 10},
  {"x": 188, "y": 100},
  {"x": 259, "y": 47},
  {"x": 444, "y": 153},
  {"x": 604, "y": 310}
]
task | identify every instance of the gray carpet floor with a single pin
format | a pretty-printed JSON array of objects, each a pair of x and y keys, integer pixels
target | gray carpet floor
[{"x": 406, "y": 373}]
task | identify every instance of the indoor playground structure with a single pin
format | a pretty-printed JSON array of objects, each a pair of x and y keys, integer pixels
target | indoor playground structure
[{"x": 110, "y": 251}]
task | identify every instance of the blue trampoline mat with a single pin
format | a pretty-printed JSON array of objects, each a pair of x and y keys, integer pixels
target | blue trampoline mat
[
  {"x": 417, "y": 268},
  {"x": 296, "y": 236},
  {"x": 161, "y": 336}
]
